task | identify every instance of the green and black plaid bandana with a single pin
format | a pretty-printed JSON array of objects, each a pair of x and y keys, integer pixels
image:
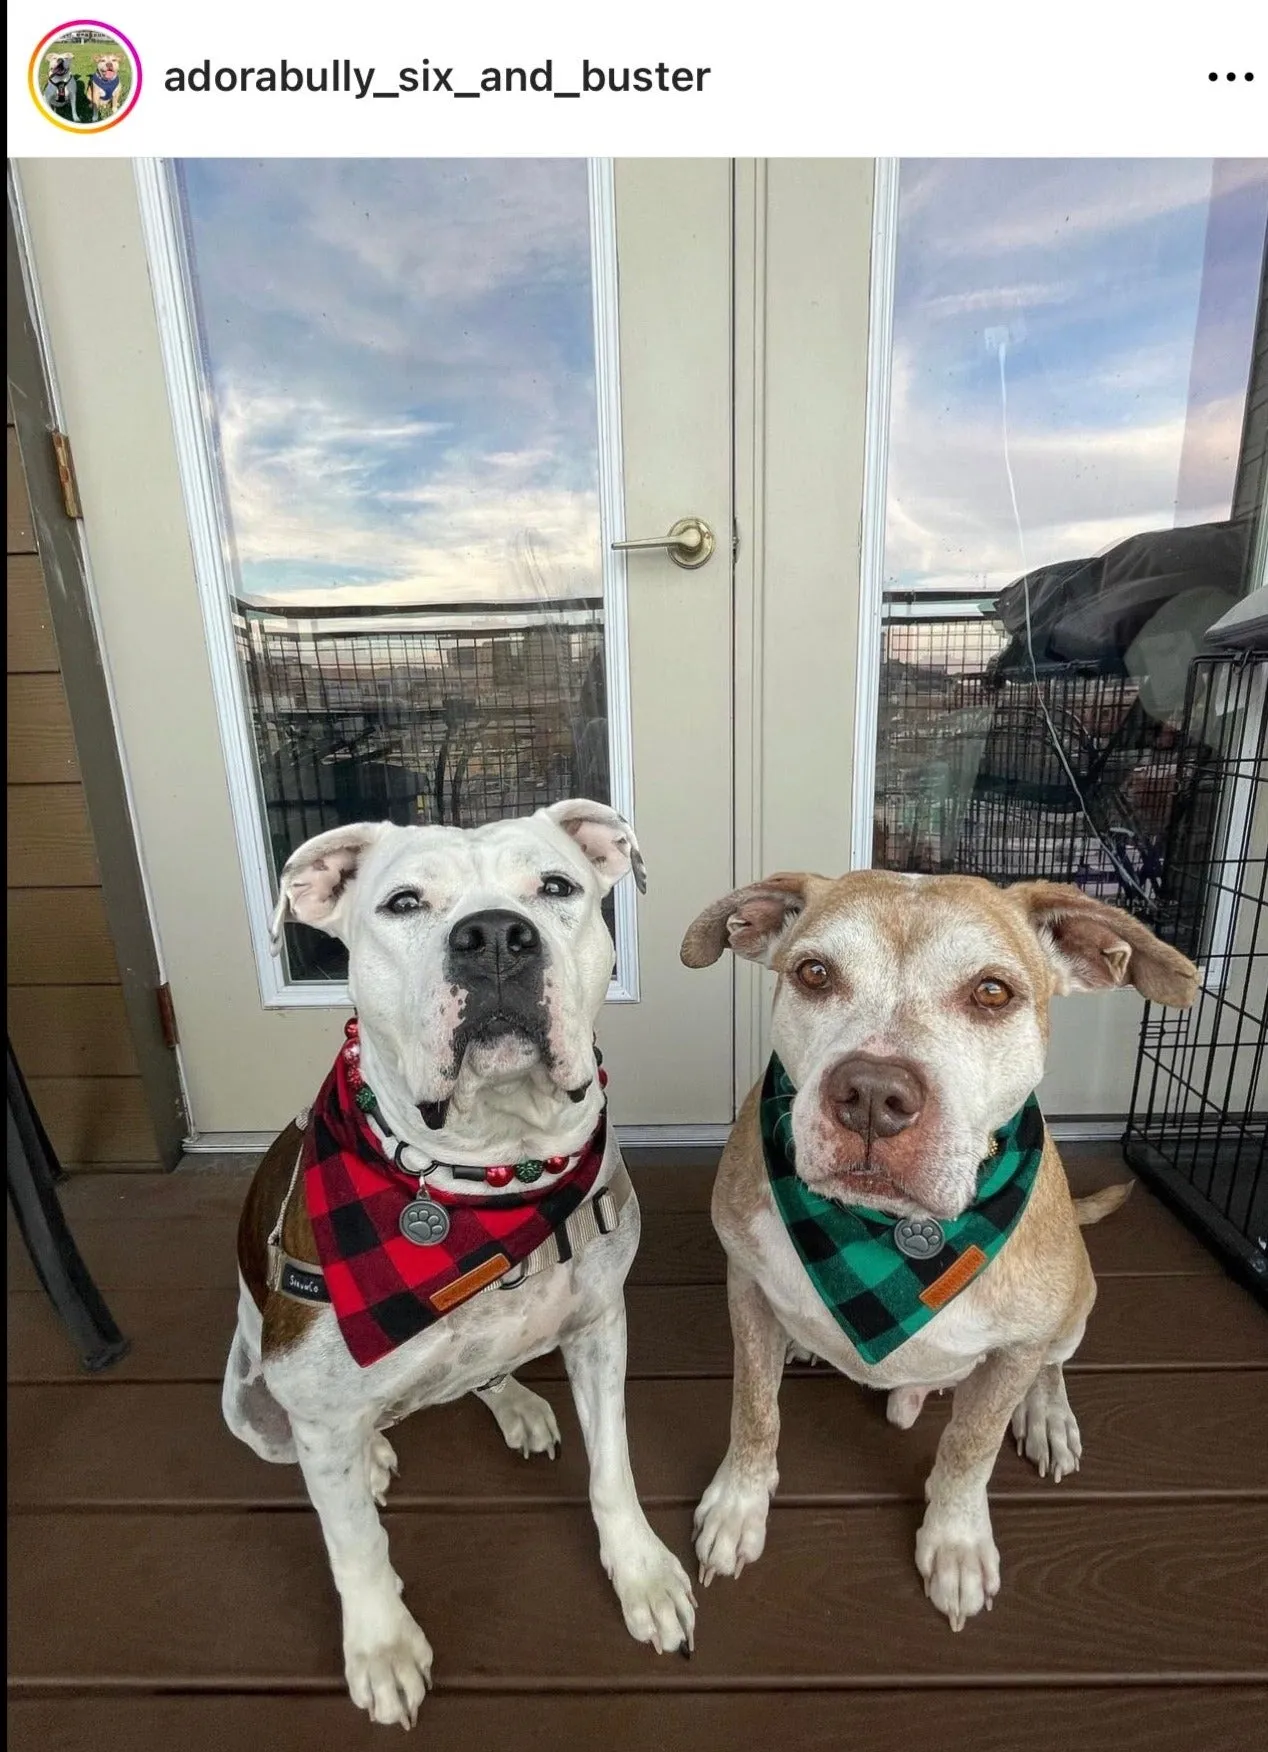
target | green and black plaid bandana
[{"x": 880, "y": 1278}]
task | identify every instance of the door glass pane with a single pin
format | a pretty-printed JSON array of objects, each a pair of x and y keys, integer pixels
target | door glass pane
[
  {"x": 399, "y": 359},
  {"x": 1075, "y": 489}
]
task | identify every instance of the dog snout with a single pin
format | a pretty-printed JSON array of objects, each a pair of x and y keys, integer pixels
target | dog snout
[
  {"x": 485, "y": 941},
  {"x": 878, "y": 1098}
]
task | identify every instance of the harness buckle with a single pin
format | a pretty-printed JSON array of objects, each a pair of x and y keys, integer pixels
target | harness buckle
[
  {"x": 511, "y": 1280},
  {"x": 606, "y": 1215}
]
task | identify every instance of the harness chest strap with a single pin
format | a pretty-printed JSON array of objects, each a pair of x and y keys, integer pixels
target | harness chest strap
[{"x": 598, "y": 1216}]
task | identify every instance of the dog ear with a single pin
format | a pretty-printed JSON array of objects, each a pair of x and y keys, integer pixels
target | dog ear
[
  {"x": 315, "y": 878},
  {"x": 606, "y": 838},
  {"x": 752, "y": 921},
  {"x": 1095, "y": 947}
]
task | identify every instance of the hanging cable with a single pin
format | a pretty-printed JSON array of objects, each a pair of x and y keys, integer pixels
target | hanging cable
[{"x": 1124, "y": 874}]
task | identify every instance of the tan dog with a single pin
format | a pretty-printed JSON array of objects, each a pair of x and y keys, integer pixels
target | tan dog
[
  {"x": 105, "y": 85},
  {"x": 911, "y": 1014}
]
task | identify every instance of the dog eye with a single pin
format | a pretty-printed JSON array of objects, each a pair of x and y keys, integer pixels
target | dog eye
[
  {"x": 405, "y": 900},
  {"x": 813, "y": 975},
  {"x": 559, "y": 887},
  {"x": 991, "y": 994}
]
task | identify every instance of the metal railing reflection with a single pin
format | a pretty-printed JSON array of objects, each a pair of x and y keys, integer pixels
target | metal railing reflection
[
  {"x": 970, "y": 776},
  {"x": 453, "y": 714}
]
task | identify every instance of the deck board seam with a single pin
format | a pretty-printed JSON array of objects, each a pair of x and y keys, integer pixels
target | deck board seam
[
  {"x": 608, "y": 1685},
  {"x": 510, "y": 1505}
]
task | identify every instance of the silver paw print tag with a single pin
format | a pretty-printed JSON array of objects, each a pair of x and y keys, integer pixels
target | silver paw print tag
[
  {"x": 919, "y": 1237},
  {"x": 424, "y": 1222}
]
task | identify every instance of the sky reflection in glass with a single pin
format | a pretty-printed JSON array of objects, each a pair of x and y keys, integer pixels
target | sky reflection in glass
[
  {"x": 1126, "y": 291},
  {"x": 401, "y": 360}
]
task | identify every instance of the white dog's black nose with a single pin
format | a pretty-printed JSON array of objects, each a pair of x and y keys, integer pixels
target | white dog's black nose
[
  {"x": 497, "y": 939},
  {"x": 875, "y": 1097}
]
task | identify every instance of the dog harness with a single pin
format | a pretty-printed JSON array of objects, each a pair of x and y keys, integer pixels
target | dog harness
[
  {"x": 397, "y": 1254},
  {"x": 882, "y": 1279},
  {"x": 107, "y": 87}
]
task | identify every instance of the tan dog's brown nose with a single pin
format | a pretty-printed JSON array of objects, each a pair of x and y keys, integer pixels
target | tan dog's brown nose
[{"x": 875, "y": 1097}]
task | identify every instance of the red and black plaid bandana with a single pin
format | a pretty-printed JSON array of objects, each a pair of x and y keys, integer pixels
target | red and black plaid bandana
[{"x": 384, "y": 1288}]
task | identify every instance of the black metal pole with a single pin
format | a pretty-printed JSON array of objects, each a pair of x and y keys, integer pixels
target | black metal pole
[{"x": 33, "y": 1176}]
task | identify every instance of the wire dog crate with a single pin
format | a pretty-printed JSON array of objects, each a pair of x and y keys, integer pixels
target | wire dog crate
[
  {"x": 450, "y": 715},
  {"x": 968, "y": 777},
  {"x": 1198, "y": 1122}
]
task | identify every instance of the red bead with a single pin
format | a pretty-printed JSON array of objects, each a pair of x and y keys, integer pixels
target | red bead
[
  {"x": 500, "y": 1175},
  {"x": 350, "y": 1028},
  {"x": 603, "y": 1078},
  {"x": 556, "y": 1164}
]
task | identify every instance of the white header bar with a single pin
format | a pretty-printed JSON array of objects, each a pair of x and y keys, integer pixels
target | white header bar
[{"x": 882, "y": 79}]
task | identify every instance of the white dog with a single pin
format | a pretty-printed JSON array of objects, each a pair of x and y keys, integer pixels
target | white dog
[
  {"x": 478, "y": 962},
  {"x": 61, "y": 91}
]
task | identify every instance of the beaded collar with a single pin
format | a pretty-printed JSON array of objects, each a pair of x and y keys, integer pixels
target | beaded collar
[
  {"x": 498, "y": 1175},
  {"x": 395, "y": 1254}
]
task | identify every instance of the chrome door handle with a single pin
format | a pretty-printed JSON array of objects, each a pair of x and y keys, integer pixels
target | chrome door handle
[{"x": 689, "y": 543}]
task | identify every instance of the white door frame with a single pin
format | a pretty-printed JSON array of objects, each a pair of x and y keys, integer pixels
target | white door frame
[
  {"x": 189, "y": 397},
  {"x": 880, "y": 368}
]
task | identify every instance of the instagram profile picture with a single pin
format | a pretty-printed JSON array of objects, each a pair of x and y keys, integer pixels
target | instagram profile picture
[{"x": 85, "y": 76}]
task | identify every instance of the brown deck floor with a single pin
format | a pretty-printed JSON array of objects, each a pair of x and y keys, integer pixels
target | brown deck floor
[{"x": 167, "y": 1589}]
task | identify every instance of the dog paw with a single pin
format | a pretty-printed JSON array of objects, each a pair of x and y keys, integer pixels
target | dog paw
[
  {"x": 904, "y": 1405},
  {"x": 655, "y": 1596},
  {"x": 1050, "y": 1440},
  {"x": 383, "y": 1467},
  {"x": 1044, "y": 1427},
  {"x": 388, "y": 1677},
  {"x": 525, "y": 1419},
  {"x": 958, "y": 1559},
  {"x": 730, "y": 1526},
  {"x": 1047, "y": 1432}
]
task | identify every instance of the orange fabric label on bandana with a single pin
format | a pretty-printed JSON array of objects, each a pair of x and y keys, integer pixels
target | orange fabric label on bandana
[
  {"x": 462, "y": 1287},
  {"x": 954, "y": 1278}
]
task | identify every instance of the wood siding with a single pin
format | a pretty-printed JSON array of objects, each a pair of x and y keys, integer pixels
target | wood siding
[{"x": 66, "y": 1015}]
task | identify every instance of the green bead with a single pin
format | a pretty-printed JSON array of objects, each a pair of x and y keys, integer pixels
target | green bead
[
  {"x": 530, "y": 1170},
  {"x": 365, "y": 1098}
]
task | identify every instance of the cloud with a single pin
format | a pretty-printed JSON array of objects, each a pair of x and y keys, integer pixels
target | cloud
[
  {"x": 310, "y": 511},
  {"x": 1103, "y": 274},
  {"x": 401, "y": 359},
  {"x": 950, "y": 512}
]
